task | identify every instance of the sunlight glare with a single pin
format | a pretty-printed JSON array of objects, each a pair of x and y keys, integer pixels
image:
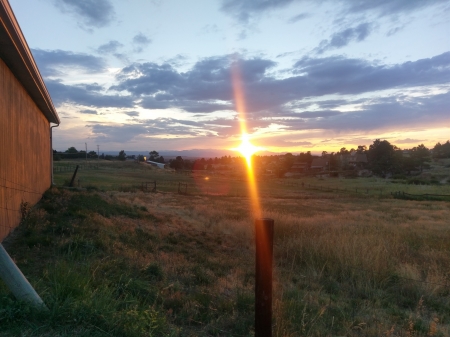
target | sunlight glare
[{"x": 246, "y": 148}]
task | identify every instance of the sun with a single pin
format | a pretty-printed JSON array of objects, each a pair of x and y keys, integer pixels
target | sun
[{"x": 246, "y": 148}]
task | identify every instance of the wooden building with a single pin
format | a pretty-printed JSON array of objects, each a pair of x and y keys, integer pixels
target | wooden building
[{"x": 26, "y": 111}]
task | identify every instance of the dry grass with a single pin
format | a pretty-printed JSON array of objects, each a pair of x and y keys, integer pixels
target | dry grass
[{"x": 345, "y": 265}]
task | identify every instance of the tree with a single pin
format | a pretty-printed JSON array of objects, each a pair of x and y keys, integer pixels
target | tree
[
  {"x": 71, "y": 150},
  {"x": 383, "y": 157},
  {"x": 92, "y": 154},
  {"x": 153, "y": 156},
  {"x": 344, "y": 151},
  {"x": 420, "y": 154},
  {"x": 442, "y": 150},
  {"x": 288, "y": 161},
  {"x": 361, "y": 149},
  {"x": 122, "y": 156},
  {"x": 333, "y": 162},
  {"x": 177, "y": 164},
  {"x": 305, "y": 157}
]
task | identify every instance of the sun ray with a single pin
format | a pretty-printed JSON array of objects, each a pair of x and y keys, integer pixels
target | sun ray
[{"x": 246, "y": 147}]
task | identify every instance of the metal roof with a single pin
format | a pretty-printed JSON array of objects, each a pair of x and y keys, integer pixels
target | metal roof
[{"x": 16, "y": 54}]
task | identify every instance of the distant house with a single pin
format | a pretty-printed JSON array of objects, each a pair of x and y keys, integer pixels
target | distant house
[
  {"x": 354, "y": 159},
  {"x": 357, "y": 160},
  {"x": 26, "y": 111},
  {"x": 300, "y": 167},
  {"x": 156, "y": 164},
  {"x": 319, "y": 164}
]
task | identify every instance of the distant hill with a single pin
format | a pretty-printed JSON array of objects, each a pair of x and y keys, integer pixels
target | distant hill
[{"x": 194, "y": 153}]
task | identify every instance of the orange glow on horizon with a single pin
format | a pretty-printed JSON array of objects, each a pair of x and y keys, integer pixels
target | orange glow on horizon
[{"x": 246, "y": 148}]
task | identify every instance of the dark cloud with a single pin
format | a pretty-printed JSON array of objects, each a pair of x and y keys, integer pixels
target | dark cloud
[
  {"x": 339, "y": 75},
  {"x": 343, "y": 38},
  {"x": 388, "y": 7},
  {"x": 110, "y": 48},
  {"x": 318, "y": 114},
  {"x": 196, "y": 90},
  {"x": 244, "y": 11},
  {"x": 208, "y": 85},
  {"x": 54, "y": 62},
  {"x": 132, "y": 113},
  {"x": 80, "y": 95},
  {"x": 89, "y": 112},
  {"x": 140, "y": 41},
  {"x": 92, "y": 13},
  {"x": 386, "y": 114},
  {"x": 155, "y": 127},
  {"x": 299, "y": 17},
  {"x": 409, "y": 141}
]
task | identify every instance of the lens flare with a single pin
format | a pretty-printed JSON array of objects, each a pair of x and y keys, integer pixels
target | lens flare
[{"x": 246, "y": 148}]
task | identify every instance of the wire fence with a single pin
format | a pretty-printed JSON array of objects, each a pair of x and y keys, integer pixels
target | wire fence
[
  {"x": 13, "y": 204},
  {"x": 71, "y": 168}
]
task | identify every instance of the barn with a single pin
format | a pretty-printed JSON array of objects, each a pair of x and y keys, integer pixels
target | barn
[{"x": 26, "y": 112}]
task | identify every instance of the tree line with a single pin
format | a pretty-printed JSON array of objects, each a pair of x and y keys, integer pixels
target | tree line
[{"x": 383, "y": 159}]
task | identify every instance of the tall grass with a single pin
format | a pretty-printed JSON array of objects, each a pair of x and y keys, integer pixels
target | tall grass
[{"x": 127, "y": 263}]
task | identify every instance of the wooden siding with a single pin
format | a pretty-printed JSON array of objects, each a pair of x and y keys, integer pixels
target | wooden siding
[{"x": 24, "y": 151}]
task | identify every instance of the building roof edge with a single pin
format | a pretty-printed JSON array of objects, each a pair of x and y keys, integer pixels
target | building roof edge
[{"x": 17, "y": 55}]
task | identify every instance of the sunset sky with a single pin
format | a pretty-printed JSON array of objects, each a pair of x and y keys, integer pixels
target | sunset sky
[{"x": 314, "y": 75}]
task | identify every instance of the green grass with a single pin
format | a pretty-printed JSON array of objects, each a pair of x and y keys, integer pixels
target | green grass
[
  {"x": 121, "y": 262},
  {"x": 129, "y": 176}
]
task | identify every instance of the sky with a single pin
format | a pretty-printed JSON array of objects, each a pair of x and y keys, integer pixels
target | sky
[{"x": 304, "y": 75}]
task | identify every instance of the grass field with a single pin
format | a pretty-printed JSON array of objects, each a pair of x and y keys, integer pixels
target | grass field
[
  {"x": 111, "y": 260},
  {"x": 129, "y": 176}
]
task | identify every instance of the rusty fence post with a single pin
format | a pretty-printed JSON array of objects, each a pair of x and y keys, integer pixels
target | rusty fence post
[
  {"x": 73, "y": 177},
  {"x": 263, "y": 277}
]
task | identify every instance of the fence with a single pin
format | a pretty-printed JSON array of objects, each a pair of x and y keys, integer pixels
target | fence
[
  {"x": 14, "y": 203},
  {"x": 420, "y": 197},
  {"x": 67, "y": 168}
]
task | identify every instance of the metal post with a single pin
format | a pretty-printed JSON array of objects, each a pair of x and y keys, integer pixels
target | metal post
[
  {"x": 263, "y": 277},
  {"x": 73, "y": 177},
  {"x": 16, "y": 282}
]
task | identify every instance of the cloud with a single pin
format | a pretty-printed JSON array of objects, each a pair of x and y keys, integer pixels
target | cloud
[
  {"x": 299, "y": 17},
  {"x": 210, "y": 29},
  {"x": 208, "y": 85},
  {"x": 340, "y": 75},
  {"x": 344, "y": 37},
  {"x": 386, "y": 114},
  {"x": 110, "y": 47},
  {"x": 132, "y": 113},
  {"x": 244, "y": 11},
  {"x": 81, "y": 95},
  {"x": 92, "y": 13},
  {"x": 153, "y": 127},
  {"x": 387, "y": 7},
  {"x": 89, "y": 112},
  {"x": 54, "y": 62},
  {"x": 209, "y": 80},
  {"x": 140, "y": 41},
  {"x": 408, "y": 141},
  {"x": 318, "y": 114}
]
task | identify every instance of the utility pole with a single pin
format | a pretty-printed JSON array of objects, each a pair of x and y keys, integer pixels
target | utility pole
[
  {"x": 98, "y": 152},
  {"x": 86, "y": 151}
]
